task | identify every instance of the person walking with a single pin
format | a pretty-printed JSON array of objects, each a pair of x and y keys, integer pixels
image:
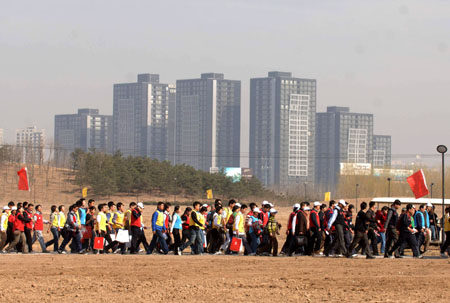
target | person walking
[
  {"x": 39, "y": 222},
  {"x": 361, "y": 226},
  {"x": 338, "y": 221},
  {"x": 4, "y": 226},
  {"x": 446, "y": 227},
  {"x": 159, "y": 230},
  {"x": 19, "y": 227},
  {"x": 195, "y": 231},
  {"x": 316, "y": 230},
  {"x": 175, "y": 230},
  {"x": 390, "y": 226}
]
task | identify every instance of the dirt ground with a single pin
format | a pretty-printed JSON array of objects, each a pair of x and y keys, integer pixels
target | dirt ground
[{"x": 109, "y": 278}]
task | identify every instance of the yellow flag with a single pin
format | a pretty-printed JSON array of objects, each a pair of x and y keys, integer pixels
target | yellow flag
[
  {"x": 327, "y": 196},
  {"x": 84, "y": 192},
  {"x": 209, "y": 194}
]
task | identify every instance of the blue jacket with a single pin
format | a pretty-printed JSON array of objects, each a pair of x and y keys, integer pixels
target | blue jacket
[
  {"x": 155, "y": 217},
  {"x": 419, "y": 220}
]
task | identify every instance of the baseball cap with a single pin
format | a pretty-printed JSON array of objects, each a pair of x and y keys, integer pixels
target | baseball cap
[
  {"x": 270, "y": 204},
  {"x": 141, "y": 205},
  {"x": 342, "y": 202},
  {"x": 265, "y": 202},
  {"x": 296, "y": 205},
  {"x": 429, "y": 204},
  {"x": 14, "y": 208},
  {"x": 256, "y": 210},
  {"x": 273, "y": 211},
  {"x": 238, "y": 204},
  {"x": 205, "y": 205},
  {"x": 6, "y": 207},
  {"x": 306, "y": 208},
  {"x": 317, "y": 203}
]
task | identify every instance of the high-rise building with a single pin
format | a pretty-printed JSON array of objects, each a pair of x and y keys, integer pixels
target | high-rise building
[
  {"x": 282, "y": 129},
  {"x": 381, "y": 151},
  {"x": 87, "y": 130},
  {"x": 172, "y": 118},
  {"x": 344, "y": 142},
  {"x": 1, "y": 136},
  {"x": 140, "y": 117},
  {"x": 208, "y": 122},
  {"x": 31, "y": 142}
]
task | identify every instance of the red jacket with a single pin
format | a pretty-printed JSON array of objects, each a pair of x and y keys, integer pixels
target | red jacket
[
  {"x": 382, "y": 217},
  {"x": 19, "y": 224}
]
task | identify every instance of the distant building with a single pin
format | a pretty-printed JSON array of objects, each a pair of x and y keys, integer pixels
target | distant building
[
  {"x": 381, "y": 151},
  {"x": 172, "y": 117},
  {"x": 344, "y": 142},
  {"x": 31, "y": 141},
  {"x": 208, "y": 122},
  {"x": 140, "y": 117},
  {"x": 282, "y": 129},
  {"x": 1, "y": 136},
  {"x": 87, "y": 130}
]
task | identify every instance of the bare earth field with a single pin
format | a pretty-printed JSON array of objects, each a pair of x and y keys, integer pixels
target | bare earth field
[{"x": 110, "y": 278}]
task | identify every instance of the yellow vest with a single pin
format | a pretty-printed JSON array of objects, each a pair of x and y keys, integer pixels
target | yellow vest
[
  {"x": 78, "y": 218},
  {"x": 228, "y": 212},
  {"x": 447, "y": 223},
  {"x": 199, "y": 215},
  {"x": 241, "y": 225},
  {"x": 101, "y": 226},
  {"x": 202, "y": 220},
  {"x": 214, "y": 221},
  {"x": 119, "y": 220},
  {"x": 62, "y": 219},
  {"x": 5, "y": 224},
  {"x": 55, "y": 221}
]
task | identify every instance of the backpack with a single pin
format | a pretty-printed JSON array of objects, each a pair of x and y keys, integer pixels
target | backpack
[{"x": 230, "y": 222}]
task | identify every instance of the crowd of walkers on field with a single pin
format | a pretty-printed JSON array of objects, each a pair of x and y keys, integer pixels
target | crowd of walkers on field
[{"x": 313, "y": 229}]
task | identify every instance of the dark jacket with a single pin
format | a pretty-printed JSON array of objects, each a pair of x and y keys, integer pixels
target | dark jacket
[{"x": 301, "y": 225}]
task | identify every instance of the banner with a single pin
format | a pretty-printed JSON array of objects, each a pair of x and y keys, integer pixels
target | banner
[
  {"x": 23, "y": 179},
  {"x": 418, "y": 184},
  {"x": 209, "y": 194},
  {"x": 84, "y": 192},
  {"x": 327, "y": 196}
]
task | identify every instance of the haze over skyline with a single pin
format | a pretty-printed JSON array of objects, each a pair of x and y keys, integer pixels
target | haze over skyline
[{"x": 389, "y": 58}]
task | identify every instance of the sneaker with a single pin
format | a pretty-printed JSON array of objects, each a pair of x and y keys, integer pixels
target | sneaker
[
  {"x": 218, "y": 253},
  {"x": 45, "y": 252},
  {"x": 370, "y": 257},
  {"x": 444, "y": 256},
  {"x": 338, "y": 256},
  {"x": 117, "y": 251},
  {"x": 82, "y": 252},
  {"x": 61, "y": 251},
  {"x": 354, "y": 255}
]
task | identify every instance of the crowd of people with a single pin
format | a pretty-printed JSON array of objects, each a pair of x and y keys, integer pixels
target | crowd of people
[{"x": 313, "y": 229}]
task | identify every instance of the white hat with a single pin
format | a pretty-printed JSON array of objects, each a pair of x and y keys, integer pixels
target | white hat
[
  {"x": 265, "y": 202},
  {"x": 141, "y": 205},
  {"x": 14, "y": 208},
  {"x": 238, "y": 204},
  {"x": 296, "y": 205},
  {"x": 342, "y": 202},
  {"x": 270, "y": 204},
  {"x": 273, "y": 211},
  {"x": 205, "y": 205},
  {"x": 307, "y": 208},
  {"x": 6, "y": 207},
  {"x": 256, "y": 210},
  {"x": 429, "y": 204},
  {"x": 317, "y": 203}
]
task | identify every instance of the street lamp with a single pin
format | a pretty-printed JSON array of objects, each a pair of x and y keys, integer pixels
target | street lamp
[
  {"x": 431, "y": 193},
  {"x": 357, "y": 185},
  {"x": 175, "y": 196},
  {"x": 389, "y": 187},
  {"x": 442, "y": 149}
]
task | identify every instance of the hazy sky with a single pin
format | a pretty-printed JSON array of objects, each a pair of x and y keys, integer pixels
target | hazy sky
[{"x": 389, "y": 58}]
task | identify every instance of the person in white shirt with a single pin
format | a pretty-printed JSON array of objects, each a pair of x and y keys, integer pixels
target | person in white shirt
[{"x": 4, "y": 226}]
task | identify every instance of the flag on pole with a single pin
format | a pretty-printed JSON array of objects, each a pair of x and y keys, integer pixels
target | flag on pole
[
  {"x": 209, "y": 194},
  {"x": 418, "y": 184},
  {"x": 327, "y": 196},
  {"x": 84, "y": 192},
  {"x": 23, "y": 179}
]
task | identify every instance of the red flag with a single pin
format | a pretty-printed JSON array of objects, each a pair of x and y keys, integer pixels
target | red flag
[
  {"x": 23, "y": 179},
  {"x": 418, "y": 184}
]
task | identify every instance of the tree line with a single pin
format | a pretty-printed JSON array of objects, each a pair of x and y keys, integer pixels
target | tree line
[{"x": 111, "y": 174}]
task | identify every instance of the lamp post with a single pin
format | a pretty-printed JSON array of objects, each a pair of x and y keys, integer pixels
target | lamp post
[
  {"x": 442, "y": 149},
  {"x": 175, "y": 196},
  {"x": 356, "y": 189},
  {"x": 431, "y": 193},
  {"x": 389, "y": 187}
]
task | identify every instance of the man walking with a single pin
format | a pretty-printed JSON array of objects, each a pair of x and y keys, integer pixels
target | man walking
[{"x": 390, "y": 226}]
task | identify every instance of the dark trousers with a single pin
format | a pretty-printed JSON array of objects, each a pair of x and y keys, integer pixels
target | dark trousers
[
  {"x": 402, "y": 240},
  {"x": 29, "y": 237},
  {"x": 185, "y": 234},
  {"x": 339, "y": 241},
  {"x": 137, "y": 237},
  {"x": 55, "y": 239},
  {"x": 158, "y": 237},
  {"x": 315, "y": 240},
  {"x": 285, "y": 248},
  {"x": 217, "y": 240},
  {"x": 361, "y": 239},
  {"x": 107, "y": 237},
  {"x": 420, "y": 238},
  {"x": 195, "y": 240},
  {"x": 272, "y": 245},
  {"x": 446, "y": 244},
  {"x": 348, "y": 238},
  {"x": 70, "y": 235},
  {"x": 328, "y": 247},
  {"x": 373, "y": 241},
  {"x": 391, "y": 238}
]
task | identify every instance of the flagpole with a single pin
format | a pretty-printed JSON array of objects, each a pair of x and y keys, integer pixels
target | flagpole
[{"x": 442, "y": 149}]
